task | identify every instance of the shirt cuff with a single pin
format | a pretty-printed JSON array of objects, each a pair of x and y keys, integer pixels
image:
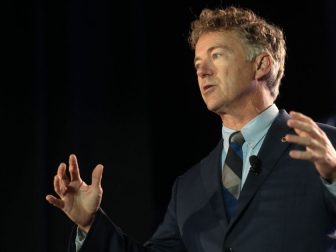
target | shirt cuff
[
  {"x": 331, "y": 186},
  {"x": 80, "y": 238}
]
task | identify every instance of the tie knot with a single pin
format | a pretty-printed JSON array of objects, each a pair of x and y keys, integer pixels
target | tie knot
[{"x": 237, "y": 138}]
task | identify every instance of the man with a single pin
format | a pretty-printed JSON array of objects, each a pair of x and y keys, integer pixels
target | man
[{"x": 268, "y": 186}]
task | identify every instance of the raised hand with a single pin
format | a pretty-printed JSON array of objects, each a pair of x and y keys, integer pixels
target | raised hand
[
  {"x": 319, "y": 149},
  {"x": 77, "y": 200}
]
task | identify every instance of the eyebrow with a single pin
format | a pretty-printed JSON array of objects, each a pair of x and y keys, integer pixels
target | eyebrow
[{"x": 213, "y": 48}]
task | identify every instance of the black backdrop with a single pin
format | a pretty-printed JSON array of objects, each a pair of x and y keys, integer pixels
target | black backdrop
[{"x": 113, "y": 82}]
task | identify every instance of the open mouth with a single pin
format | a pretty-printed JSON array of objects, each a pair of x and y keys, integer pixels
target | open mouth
[{"x": 208, "y": 88}]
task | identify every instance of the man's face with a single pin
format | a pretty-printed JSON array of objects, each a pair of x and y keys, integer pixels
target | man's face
[{"x": 225, "y": 77}]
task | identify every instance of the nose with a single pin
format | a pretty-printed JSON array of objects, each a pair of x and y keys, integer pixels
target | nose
[{"x": 204, "y": 69}]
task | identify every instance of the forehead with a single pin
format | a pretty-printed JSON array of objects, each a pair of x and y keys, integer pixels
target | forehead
[{"x": 228, "y": 39}]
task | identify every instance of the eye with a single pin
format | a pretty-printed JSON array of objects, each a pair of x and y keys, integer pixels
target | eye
[{"x": 216, "y": 55}]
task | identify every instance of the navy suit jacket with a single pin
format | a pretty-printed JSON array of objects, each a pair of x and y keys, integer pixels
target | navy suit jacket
[{"x": 285, "y": 208}]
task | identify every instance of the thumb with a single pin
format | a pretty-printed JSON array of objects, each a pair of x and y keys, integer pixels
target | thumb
[{"x": 97, "y": 175}]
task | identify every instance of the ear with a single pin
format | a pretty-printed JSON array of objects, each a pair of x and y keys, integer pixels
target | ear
[{"x": 263, "y": 63}]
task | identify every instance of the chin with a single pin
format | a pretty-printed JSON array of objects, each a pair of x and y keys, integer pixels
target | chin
[
  {"x": 216, "y": 107},
  {"x": 213, "y": 107}
]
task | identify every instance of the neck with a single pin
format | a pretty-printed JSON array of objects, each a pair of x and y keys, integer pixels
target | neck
[
  {"x": 238, "y": 113},
  {"x": 237, "y": 116},
  {"x": 238, "y": 120}
]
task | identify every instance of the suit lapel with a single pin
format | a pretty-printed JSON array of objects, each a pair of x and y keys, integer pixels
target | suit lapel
[
  {"x": 211, "y": 174},
  {"x": 269, "y": 157}
]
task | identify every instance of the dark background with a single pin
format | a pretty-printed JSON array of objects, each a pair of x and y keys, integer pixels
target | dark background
[{"x": 113, "y": 82}]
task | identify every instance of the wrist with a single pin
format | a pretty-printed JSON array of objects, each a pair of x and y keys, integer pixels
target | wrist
[
  {"x": 86, "y": 227},
  {"x": 329, "y": 176},
  {"x": 330, "y": 179}
]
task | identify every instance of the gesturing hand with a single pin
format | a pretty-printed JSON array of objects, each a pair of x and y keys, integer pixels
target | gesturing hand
[
  {"x": 77, "y": 200},
  {"x": 319, "y": 149}
]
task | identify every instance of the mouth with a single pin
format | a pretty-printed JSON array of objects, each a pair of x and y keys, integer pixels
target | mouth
[{"x": 208, "y": 88}]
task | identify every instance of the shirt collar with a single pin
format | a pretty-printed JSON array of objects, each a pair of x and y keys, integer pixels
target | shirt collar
[{"x": 255, "y": 129}]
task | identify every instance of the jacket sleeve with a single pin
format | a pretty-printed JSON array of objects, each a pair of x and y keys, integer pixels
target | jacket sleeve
[
  {"x": 105, "y": 236},
  {"x": 330, "y": 189},
  {"x": 167, "y": 237}
]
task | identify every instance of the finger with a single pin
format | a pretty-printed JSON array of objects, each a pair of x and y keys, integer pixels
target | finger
[
  {"x": 61, "y": 172},
  {"x": 55, "y": 202},
  {"x": 313, "y": 156},
  {"x": 300, "y": 116},
  {"x": 73, "y": 168},
  {"x": 301, "y": 127},
  {"x": 303, "y": 155},
  {"x": 297, "y": 124},
  {"x": 63, "y": 180},
  {"x": 299, "y": 154},
  {"x": 306, "y": 141},
  {"x": 59, "y": 186},
  {"x": 97, "y": 175}
]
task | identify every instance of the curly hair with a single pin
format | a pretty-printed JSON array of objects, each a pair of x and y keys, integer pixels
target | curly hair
[{"x": 257, "y": 35}]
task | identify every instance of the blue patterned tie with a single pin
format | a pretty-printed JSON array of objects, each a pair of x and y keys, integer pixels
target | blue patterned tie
[{"x": 232, "y": 171}]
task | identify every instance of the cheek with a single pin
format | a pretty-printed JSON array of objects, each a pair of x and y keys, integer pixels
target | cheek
[
  {"x": 225, "y": 69},
  {"x": 240, "y": 75},
  {"x": 226, "y": 77}
]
